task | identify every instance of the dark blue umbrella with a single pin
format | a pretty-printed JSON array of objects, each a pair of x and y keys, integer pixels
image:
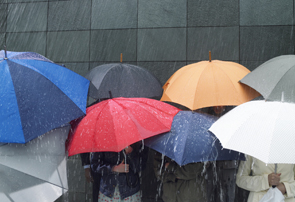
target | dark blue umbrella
[
  {"x": 190, "y": 141},
  {"x": 37, "y": 95}
]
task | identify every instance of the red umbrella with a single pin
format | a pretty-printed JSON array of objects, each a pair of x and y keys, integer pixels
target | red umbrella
[{"x": 113, "y": 124}]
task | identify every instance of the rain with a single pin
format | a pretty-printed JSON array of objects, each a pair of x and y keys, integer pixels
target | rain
[{"x": 139, "y": 47}]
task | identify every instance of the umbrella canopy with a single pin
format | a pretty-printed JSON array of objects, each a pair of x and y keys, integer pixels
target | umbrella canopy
[
  {"x": 123, "y": 80},
  {"x": 190, "y": 141},
  {"x": 274, "y": 79},
  {"x": 37, "y": 95},
  {"x": 35, "y": 171},
  {"x": 207, "y": 84},
  {"x": 113, "y": 124},
  {"x": 264, "y": 130}
]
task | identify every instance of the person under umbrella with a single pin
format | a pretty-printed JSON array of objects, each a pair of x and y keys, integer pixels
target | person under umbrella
[
  {"x": 90, "y": 176},
  {"x": 257, "y": 177},
  {"x": 123, "y": 80},
  {"x": 180, "y": 183},
  {"x": 127, "y": 123},
  {"x": 220, "y": 174},
  {"x": 263, "y": 130},
  {"x": 120, "y": 180},
  {"x": 187, "y": 145}
]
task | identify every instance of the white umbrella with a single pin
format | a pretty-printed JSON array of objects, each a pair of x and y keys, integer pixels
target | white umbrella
[
  {"x": 35, "y": 171},
  {"x": 264, "y": 130}
]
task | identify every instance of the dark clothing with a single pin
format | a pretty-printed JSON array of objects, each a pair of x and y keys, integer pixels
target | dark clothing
[
  {"x": 129, "y": 183},
  {"x": 180, "y": 183},
  {"x": 85, "y": 158},
  {"x": 221, "y": 181}
]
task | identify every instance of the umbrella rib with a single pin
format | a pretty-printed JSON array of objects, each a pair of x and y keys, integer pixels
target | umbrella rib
[
  {"x": 195, "y": 93},
  {"x": 129, "y": 115},
  {"x": 94, "y": 140},
  {"x": 180, "y": 76},
  {"x": 113, "y": 67},
  {"x": 184, "y": 145},
  {"x": 229, "y": 78},
  {"x": 192, "y": 76},
  {"x": 153, "y": 114},
  {"x": 43, "y": 75},
  {"x": 147, "y": 111},
  {"x": 281, "y": 79},
  {"x": 276, "y": 118}
]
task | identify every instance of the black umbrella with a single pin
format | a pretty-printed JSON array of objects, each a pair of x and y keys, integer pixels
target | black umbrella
[{"x": 123, "y": 80}]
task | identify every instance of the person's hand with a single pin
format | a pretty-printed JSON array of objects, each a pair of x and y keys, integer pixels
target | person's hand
[
  {"x": 121, "y": 168},
  {"x": 274, "y": 179},
  {"x": 166, "y": 165},
  {"x": 128, "y": 150},
  {"x": 88, "y": 175},
  {"x": 282, "y": 188}
]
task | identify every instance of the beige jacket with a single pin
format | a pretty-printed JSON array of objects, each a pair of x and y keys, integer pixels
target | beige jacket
[{"x": 257, "y": 183}]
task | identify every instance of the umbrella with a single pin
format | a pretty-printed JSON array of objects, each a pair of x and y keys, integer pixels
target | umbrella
[
  {"x": 207, "y": 84},
  {"x": 123, "y": 80},
  {"x": 113, "y": 124},
  {"x": 274, "y": 79},
  {"x": 35, "y": 171},
  {"x": 190, "y": 141},
  {"x": 264, "y": 130},
  {"x": 37, "y": 95}
]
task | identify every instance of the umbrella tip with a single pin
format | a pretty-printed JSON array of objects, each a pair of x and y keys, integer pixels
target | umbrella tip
[
  {"x": 121, "y": 57},
  {"x": 209, "y": 56}
]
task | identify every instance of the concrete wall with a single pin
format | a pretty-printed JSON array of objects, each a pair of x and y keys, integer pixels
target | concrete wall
[{"x": 160, "y": 35}]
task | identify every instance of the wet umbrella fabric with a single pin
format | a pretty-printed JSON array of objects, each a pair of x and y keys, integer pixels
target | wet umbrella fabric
[
  {"x": 35, "y": 171},
  {"x": 37, "y": 95},
  {"x": 264, "y": 130},
  {"x": 113, "y": 124},
  {"x": 190, "y": 141},
  {"x": 274, "y": 79},
  {"x": 206, "y": 84},
  {"x": 123, "y": 80}
]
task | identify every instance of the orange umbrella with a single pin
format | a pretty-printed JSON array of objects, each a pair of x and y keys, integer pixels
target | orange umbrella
[{"x": 207, "y": 84}]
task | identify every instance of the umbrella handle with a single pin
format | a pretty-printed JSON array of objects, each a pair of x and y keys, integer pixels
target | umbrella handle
[{"x": 276, "y": 168}]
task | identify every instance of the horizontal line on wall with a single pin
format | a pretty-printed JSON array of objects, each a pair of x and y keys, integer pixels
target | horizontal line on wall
[
  {"x": 33, "y": 2},
  {"x": 148, "y": 28},
  {"x": 266, "y": 25}
]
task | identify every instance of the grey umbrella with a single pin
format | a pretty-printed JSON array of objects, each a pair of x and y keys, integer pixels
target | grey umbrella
[
  {"x": 274, "y": 79},
  {"x": 123, "y": 80},
  {"x": 35, "y": 171}
]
